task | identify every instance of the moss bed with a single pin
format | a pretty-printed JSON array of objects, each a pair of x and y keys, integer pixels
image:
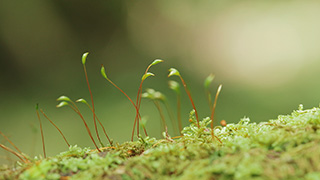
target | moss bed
[{"x": 284, "y": 148}]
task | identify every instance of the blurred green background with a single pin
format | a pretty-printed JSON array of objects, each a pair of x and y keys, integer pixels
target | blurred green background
[{"x": 265, "y": 53}]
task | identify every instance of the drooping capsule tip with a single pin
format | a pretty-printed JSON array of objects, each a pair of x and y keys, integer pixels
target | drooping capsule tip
[
  {"x": 84, "y": 58},
  {"x": 173, "y": 72},
  {"x": 81, "y": 100},
  {"x": 145, "y": 76},
  {"x": 103, "y": 72},
  {"x": 157, "y": 61},
  {"x": 61, "y": 104},
  {"x": 63, "y": 98}
]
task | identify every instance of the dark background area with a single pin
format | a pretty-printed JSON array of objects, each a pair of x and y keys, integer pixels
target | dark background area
[{"x": 265, "y": 53}]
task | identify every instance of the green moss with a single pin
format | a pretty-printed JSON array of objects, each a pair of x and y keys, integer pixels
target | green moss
[{"x": 284, "y": 148}]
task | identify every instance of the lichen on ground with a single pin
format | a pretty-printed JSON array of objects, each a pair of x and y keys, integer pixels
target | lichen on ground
[{"x": 284, "y": 148}]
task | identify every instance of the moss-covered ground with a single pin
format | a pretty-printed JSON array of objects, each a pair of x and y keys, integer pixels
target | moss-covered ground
[{"x": 284, "y": 148}]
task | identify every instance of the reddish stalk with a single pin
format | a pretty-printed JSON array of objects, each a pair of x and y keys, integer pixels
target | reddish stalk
[
  {"x": 91, "y": 96},
  {"x": 11, "y": 142},
  {"x": 138, "y": 101},
  {"x": 75, "y": 108},
  {"x": 55, "y": 127},
  {"x": 189, "y": 95},
  {"x": 42, "y": 137},
  {"x": 137, "y": 110},
  {"x": 14, "y": 146},
  {"x": 134, "y": 105},
  {"x": 175, "y": 72},
  {"x": 14, "y": 153},
  {"x": 213, "y": 111},
  {"x": 105, "y": 133}
]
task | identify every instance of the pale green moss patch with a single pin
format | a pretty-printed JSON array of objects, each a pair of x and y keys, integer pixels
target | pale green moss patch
[{"x": 285, "y": 148}]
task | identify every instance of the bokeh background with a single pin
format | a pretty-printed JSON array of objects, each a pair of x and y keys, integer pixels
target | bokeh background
[{"x": 265, "y": 53}]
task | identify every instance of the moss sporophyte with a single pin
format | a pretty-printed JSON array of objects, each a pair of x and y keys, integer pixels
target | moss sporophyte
[{"x": 284, "y": 148}]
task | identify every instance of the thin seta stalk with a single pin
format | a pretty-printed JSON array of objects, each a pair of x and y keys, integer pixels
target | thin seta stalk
[
  {"x": 137, "y": 104},
  {"x": 104, "y": 130},
  {"x": 138, "y": 101},
  {"x": 174, "y": 85},
  {"x": 34, "y": 139},
  {"x": 65, "y": 102},
  {"x": 157, "y": 97},
  {"x": 175, "y": 72},
  {"x": 55, "y": 127},
  {"x": 84, "y": 58},
  {"x": 213, "y": 111},
  {"x": 104, "y": 75},
  {"x": 19, "y": 154},
  {"x": 171, "y": 116},
  {"x": 41, "y": 130},
  {"x": 156, "y": 103}
]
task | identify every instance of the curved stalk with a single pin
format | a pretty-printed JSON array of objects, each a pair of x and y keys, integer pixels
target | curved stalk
[
  {"x": 84, "y": 57},
  {"x": 55, "y": 127},
  {"x": 42, "y": 136},
  {"x": 213, "y": 111}
]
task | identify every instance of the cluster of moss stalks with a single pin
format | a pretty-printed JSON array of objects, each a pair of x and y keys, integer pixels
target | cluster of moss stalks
[{"x": 285, "y": 148}]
